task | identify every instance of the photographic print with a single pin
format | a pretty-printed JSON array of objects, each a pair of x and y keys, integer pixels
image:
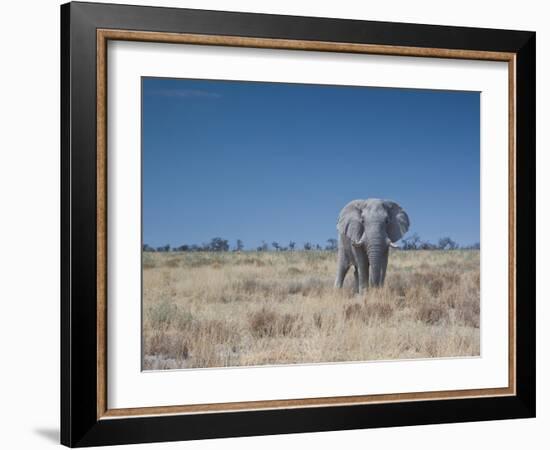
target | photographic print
[
  {"x": 294, "y": 207},
  {"x": 299, "y": 223}
]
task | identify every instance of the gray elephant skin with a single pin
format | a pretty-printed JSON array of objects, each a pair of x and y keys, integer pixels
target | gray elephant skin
[{"x": 367, "y": 229}]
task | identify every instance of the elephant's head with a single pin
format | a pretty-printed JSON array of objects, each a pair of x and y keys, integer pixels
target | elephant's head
[{"x": 374, "y": 224}]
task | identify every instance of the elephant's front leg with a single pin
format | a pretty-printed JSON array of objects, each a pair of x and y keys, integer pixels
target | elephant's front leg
[
  {"x": 362, "y": 268},
  {"x": 355, "y": 281},
  {"x": 383, "y": 269},
  {"x": 342, "y": 268}
]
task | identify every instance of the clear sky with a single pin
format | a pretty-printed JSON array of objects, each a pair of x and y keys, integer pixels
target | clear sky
[{"x": 277, "y": 162}]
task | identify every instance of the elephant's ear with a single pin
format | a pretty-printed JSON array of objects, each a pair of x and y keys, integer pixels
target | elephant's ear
[
  {"x": 350, "y": 224},
  {"x": 398, "y": 222}
]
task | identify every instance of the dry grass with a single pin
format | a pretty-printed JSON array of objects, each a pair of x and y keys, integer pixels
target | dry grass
[{"x": 234, "y": 309}]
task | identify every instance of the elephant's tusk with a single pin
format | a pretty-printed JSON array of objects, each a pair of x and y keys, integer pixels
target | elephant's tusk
[
  {"x": 391, "y": 244},
  {"x": 362, "y": 240}
]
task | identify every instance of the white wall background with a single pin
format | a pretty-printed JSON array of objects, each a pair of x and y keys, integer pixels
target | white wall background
[{"x": 29, "y": 229}]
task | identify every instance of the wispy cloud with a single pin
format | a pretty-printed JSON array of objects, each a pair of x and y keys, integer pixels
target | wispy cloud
[{"x": 185, "y": 93}]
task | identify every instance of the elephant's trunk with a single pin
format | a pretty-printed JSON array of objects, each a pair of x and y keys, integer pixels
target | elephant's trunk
[{"x": 377, "y": 251}]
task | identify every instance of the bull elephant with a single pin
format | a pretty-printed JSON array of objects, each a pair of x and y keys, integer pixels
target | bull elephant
[{"x": 367, "y": 229}]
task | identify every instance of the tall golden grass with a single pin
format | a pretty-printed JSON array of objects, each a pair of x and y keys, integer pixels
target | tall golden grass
[{"x": 253, "y": 308}]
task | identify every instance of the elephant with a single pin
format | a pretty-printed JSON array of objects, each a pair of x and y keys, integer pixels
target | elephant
[{"x": 367, "y": 229}]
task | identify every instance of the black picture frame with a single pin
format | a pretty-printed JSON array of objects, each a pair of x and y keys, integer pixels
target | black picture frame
[{"x": 80, "y": 425}]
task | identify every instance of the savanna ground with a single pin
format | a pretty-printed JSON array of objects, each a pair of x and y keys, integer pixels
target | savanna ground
[{"x": 214, "y": 309}]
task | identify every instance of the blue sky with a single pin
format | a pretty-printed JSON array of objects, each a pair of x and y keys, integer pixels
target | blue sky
[{"x": 277, "y": 161}]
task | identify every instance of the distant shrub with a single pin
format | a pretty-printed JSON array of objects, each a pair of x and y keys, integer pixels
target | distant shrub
[
  {"x": 286, "y": 323},
  {"x": 239, "y": 246},
  {"x": 397, "y": 284},
  {"x": 264, "y": 247},
  {"x": 253, "y": 261},
  {"x": 262, "y": 323},
  {"x": 148, "y": 261},
  {"x": 446, "y": 243},
  {"x": 294, "y": 271},
  {"x": 368, "y": 312},
  {"x": 173, "y": 262},
  {"x": 353, "y": 311},
  {"x": 201, "y": 259},
  {"x": 251, "y": 285},
  {"x": 432, "y": 281},
  {"x": 306, "y": 286},
  {"x": 436, "y": 281},
  {"x": 267, "y": 323},
  {"x": 432, "y": 314},
  {"x": 382, "y": 311},
  {"x": 218, "y": 244},
  {"x": 469, "y": 314},
  {"x": 161, "y": 314},
  {"x": 332, "y": 244}
]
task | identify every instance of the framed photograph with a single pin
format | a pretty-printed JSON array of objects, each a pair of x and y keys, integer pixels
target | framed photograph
[{"x": 277, "y": 224}]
